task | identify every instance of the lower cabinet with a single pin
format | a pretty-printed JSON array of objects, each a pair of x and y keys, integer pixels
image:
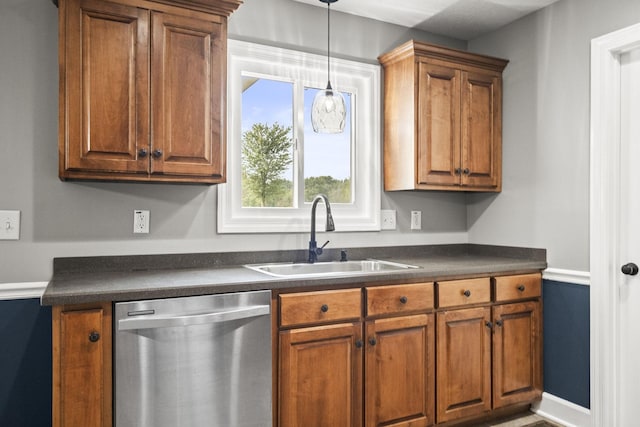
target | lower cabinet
[
  {"x": 409, "y": 355},
  {"x": 464, "y": 363},
  {"x": 321, "y": 376},
  {"x": 489, "y": 356},
  {"x": 330, "y": 375},
  {"x": 82, "y": 387},
  {"x": 399, "y": 366}
]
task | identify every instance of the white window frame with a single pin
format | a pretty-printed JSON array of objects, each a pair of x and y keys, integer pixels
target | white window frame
[{"x": 362, "y": 81}]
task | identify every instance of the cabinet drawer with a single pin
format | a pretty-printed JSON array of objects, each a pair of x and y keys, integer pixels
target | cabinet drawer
[
  {"x": 399, "y": 298},
  {"x": 464, "y": 292},
  {"x": 517, "y": 287},
  {"x": 319, "y": 307}
]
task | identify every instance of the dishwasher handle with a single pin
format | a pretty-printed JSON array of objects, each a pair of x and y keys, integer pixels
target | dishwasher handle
[{"x": 167, "y": 321}]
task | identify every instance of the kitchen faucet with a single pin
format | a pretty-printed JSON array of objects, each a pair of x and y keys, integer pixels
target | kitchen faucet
[{"x": 314, "y": 250}]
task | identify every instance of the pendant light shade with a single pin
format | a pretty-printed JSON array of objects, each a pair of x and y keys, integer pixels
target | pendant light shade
[{"x": 329, "y": 110}]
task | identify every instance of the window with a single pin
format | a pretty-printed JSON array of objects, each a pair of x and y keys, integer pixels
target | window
[{"x": 276, "y": 163}]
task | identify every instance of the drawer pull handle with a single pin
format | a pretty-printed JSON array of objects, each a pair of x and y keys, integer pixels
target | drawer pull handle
[
  {"x": 324, "y": 308},
  {"x": 521, "y": 288},
  {"x": 94, "y": 336},
  {"x": 372, "y": 341},
  {"x": 403, "y": 300},
  {"x": 467, "y": 293}
]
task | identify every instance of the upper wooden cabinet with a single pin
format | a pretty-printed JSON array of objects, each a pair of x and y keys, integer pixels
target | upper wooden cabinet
[
  {"x": 142, "y": 90},
  {"x": 442, "y": 119}
]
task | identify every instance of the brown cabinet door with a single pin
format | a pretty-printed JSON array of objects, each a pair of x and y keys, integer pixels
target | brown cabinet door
[
  {"x": 438, "y": 123},
  {"x": 188, "y": 77},
  {"x": 104, "y": 87},
  {"x": 82, "y": 367},
  {"x": 463, "y": 373},
  {"x": 321, "y": 376},
  {"x": 481, "y": 122},
  {"x": 517, "y": 350},
  {"x": 399, "y": 372}
]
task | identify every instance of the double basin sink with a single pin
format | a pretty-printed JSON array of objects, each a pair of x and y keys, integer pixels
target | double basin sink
[{"x": 329, "y": 269}]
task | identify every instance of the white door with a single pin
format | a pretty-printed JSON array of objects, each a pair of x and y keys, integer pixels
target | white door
[{"x": 629, "y": 240}]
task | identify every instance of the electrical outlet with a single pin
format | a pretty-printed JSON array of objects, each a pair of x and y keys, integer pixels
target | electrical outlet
[
  {"x": 388, "y": 219},
  {"x": 140, "y": 221},
  {"x": 9, "y": 225},
  {"x": 416, "y": 220}
]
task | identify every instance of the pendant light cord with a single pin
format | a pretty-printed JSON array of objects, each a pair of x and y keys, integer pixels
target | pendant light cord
[{"x": 329, "y": 45}]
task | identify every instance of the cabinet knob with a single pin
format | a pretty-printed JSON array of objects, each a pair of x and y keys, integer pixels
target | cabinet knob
[
  {"x": 359, "y": 344},
  {"x": 324, "y": 308},
  {"x": 499, "y": 323},
  {"x": 521, "y": 288},
  {"x": 458, "y": 171},
  {"x": 403, "y": 299},
  {"x": 142, "y": 153},
  {"x": 489, "y": 325},
  {"x": 467, "y": 293},
  {"x": 94, "y": 336},
  {"x": 157, "y": 153},
  {"x": 372, "y": 341},
  {"x": 466, "y": 171}
]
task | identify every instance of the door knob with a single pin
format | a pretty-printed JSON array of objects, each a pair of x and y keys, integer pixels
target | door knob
[{"x": 630, "y": 269}]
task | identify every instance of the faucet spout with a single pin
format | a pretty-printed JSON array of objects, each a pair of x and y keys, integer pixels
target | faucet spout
[{"x": 314, "y": 250}]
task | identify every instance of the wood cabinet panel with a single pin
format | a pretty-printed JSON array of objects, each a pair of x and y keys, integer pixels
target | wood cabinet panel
[
  {"x": 306, "y": 308},
  {"x": 517, "y": 353},
  {"x": 438, "y": 130},
  {"x": 464, "y": 292},
  {"x": 188, "y": 80},
  {"x": 518, "y": 287},
  {"x": 82, "y": 366},
  {"x": 104, "y": 82},
  {"x": 399, "y": 371},
  {"x": 463, "y": 367},
  {"x": 321, "y": 376},
  {"x": 399, "y": 299},
  {"x": 481, "y": 124}
]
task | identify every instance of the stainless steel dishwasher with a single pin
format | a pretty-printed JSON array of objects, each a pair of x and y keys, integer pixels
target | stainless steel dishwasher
[{"x": 194, "y": 361}]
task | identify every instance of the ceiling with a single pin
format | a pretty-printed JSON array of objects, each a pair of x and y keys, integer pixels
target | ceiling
[{"x": 461, "y": 19}]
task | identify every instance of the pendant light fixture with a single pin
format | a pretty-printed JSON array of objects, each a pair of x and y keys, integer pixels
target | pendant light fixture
[{"x": 329, "y": 110}]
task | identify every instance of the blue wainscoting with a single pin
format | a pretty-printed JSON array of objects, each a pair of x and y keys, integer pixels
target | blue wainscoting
[
  {"x": 25, "y": 364},
  {"x": 566, "y": 341}
]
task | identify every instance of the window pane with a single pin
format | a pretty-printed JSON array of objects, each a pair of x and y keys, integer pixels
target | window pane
[
  {"x": 327, "y": 157},
  {"x": 267, "y": 148}
]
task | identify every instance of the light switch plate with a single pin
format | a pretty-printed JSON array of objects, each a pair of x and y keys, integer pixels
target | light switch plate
[
  {"x": 9, "y": 225},
  {"x": 416, "y": 220},
  {"x": 388, "y": 219}
]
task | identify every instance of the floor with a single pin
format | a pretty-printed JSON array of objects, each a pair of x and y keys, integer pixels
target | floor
[{"x": 529, "y": 420}]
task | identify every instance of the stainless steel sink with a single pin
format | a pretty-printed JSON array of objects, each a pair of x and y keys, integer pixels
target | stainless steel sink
[{"x": 324, "y": 269}]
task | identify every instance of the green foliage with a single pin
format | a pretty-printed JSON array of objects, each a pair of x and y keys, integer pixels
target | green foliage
[
  {"x": 266, "y": 154},
  {"x": 337, "y": 190}
]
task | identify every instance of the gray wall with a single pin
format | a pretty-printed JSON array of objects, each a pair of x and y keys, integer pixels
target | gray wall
[
  {"x": 545, "y": 197},
  {"x": 83, "y": 219}
]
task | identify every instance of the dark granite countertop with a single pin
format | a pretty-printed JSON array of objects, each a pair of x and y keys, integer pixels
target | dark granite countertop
[{"x": 127, "y": 278}]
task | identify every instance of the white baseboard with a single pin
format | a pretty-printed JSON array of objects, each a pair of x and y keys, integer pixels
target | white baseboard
[
  {"x": 562, "y": 411},
  {"x": 24, "y": 290}
]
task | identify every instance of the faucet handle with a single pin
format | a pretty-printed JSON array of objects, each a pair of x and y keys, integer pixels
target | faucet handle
[{"x": 319, "y": 250}]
